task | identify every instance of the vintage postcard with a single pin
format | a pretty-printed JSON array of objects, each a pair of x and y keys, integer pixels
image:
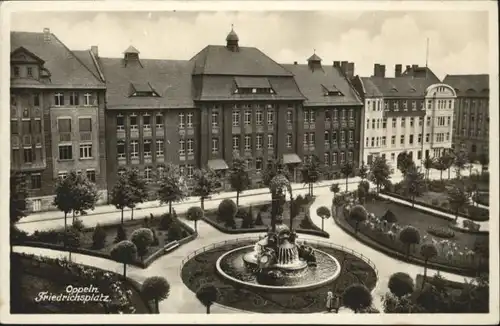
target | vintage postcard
[{"x": 242, "y": 162}]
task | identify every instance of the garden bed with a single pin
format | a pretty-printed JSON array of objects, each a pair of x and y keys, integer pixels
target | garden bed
[
  {"x": 31, "y": 275},
  {"x": 195, "y": 273},
  {"x": 302, "y": 223},
  {"x": 482, "y": 198},
  {"x": 462, "y": 264},
  {"x": 165, "y": 235}
]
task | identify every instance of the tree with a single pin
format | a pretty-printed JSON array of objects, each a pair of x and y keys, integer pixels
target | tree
[
  {"x": 380, "y": 172},
  {"x": 205, "y": 184},
  {"x": 460, "y": 160},
  {"x": 441, "y": 165},
  {"x": 311, "y": 172},
  {"x": 414, "y": 183},
  {"x": 207, "y": 295},
  {"x": 272, "y": 169},
  {"x": 428, "y": 251},
  {"x": 404, "y": 162},
  {"x": 324, "y": 213},
  {"x": 458, "y": 198},
  {"x": 71, "y": 240},
  {"x": 357, "y": 297},
  {"x": 389, "y": 216},
  {"x": 98, "y": 237},
  {"x": 335, "y": 189},
  {"x": 358, "y": 214},
  {"x": 338, "y": 201},
  {"x": 138, "y": 187},
  {"x": 142, "y": 239},
  {"x": 363, "y": 171},
  {"x": 155, "y": 288},
  {"x": 124, "y": 252},
  {"x": 171, "y": 190},
  {"x": 404, "y": 304},
  {"x": 428, "y": 165},
  {"x": 76, "y": 194},
  {"x": 409, "y": 236},
  {"x": 471, "y": 159},
  {"x": 194, "y": 213},
  {"x": 400, "y": 284},
  {"x": 227, "y": 211},
  {"x": 347, "y": 169},
  {"x": 238, "y": 177},
  {"x": 18, "y": 195},
  {"x": 484, "y": 160},
  {"x": 447, "y": 161},
  {"x": 363, "y": 190},
  {"x": 121, "y": 195}
]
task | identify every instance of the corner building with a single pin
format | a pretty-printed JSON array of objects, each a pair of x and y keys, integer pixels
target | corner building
[
  {"x": 57, "y": 101},
  {"x": 412, "y": 112},
  {"x": 226, "y": 101}
]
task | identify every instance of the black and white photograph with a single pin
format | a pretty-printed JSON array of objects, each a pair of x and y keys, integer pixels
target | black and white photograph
[{"x": 319, "y": 162}]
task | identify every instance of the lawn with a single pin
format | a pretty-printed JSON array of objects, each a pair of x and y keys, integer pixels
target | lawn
[
  {"x": 31, "y": 275},
  {"x": 195, "y": 273}
]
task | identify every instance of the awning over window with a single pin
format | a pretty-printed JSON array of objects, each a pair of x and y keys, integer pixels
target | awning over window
[
  {"x": 291, "y": 158},
  {"x": 217, "y": 164}
]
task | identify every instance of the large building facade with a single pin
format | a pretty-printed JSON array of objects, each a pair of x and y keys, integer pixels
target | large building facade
[
  {"x": 411, "y": 112},
  {"x": 472, "y": 114},
  {"x": 57, "y": 115}
]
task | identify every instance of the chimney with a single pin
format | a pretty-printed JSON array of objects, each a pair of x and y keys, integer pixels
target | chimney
[
  {"x": 295, "y": 63},
  {"x": 408, "y": 69},
  {"x": 350, "y": 70},
  {"x": 46, "y": 34},
  {"x": 398, "y": 70},
  {"x": 414, "y": 67},
  {"x": 343, "y": 66},
  {"x": 379, "y": 70},
  {"x": 95, "y": 51},
  {"x": 336, "y": 64}
]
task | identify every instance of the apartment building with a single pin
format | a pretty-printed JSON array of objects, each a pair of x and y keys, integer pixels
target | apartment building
[
  {"x": 57, "y": 115},
  {"x": 472, "y": 115},
  {"x": 412, "y": 112}
]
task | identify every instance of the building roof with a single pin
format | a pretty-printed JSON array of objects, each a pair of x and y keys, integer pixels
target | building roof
[
  {"x": 421, "y": 72},
  {"x": 247, "y": 61},
  {"x": 469, "y": 85},
  {"x": 171, "y": 79},
  {"x": 86, "y": 58},
  {"x": 131, "y": 49},
  {"x": 232, "y": 36},
  {"x": 405, "y": 86},
  {"x": 66, "y": 69},
  {"x": 315, "y": 83},
  {"x": 370, "y": 88}
]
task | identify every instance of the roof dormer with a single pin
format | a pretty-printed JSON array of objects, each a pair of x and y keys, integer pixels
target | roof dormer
[
  {"x": 131, "y": 57},
  {"x": 331, "y": 90},
  {"x": 314, "y": 62},
  {"x": 232, "y": 40},
  {"x": 142, "y": 90}
]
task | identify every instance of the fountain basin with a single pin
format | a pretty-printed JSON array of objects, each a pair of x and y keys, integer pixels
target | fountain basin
[{"x": 235, "y": 266}]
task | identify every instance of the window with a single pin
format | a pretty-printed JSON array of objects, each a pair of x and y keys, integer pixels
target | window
[
  {"x": 373, "y": 141},
  {"x": 85, "y": 124},
  {"x": 289, "y": 141},
  {"x": 159, "y": 121},
  {"x": 367, "y": 141},
  {"x": 161, "y": 171},
  {"x": 63, "y": 125},
  {"x": 189, "y": 120},
  {"x": 367, "y": 123},
  {"x": 73, "y": 99},
  {"x": 312, "y": 139},
  {"x": 393, "y": 156},
  {"x": 342, "y": 136},
  {"x": 147, "y": 148},
  {"x": 393, "y": 122},
  {"x": 350, "y": 156},
  {"x": 182, "y": 147},
  {"x": 428, "y": 122},
  {"x": 215, "y": 145},
  {"x": 289, "y": 117},
  {"x": 134, "y": 149},
  {"x": 121, "y": 172},
  {"x": 236, "y": 143},
  {"x": 62, "y": 175},
  {"x": 36, "y": 99},
  {"x": 270, "y": 141},
  {"x": 311, "y": 116},
  {"x": 146, "y": 121},
  {"x": 190, "y": 171},
  {"x": 85, "y": 151},
  {"x": 441, "y": 121},
  {"x": 36, "y": 181},
  {"x": 447, "y": 136},
  {"x": 342, "y": 157},
  {"x": 405, "y": 105},
  {"x": 120, "y": 122},
  {"x": 449, "y": 120},
  {"x": 147, "y": 174},
  {"x": 326, "y": 158},
  {"x": 182, "y": 123},
  {"x": 258, "y": 142},
  {"x": 411, "y": 140},
  {"x": 258, "y": 117},
  {"x": 419, "y": 138},
  {"x": 419, "y": 155},
  {"x": 351, "y": 114},
  {"x": 393, "y": 140},
  {"x": 335, "y": 115},
  {"x": 373, "y": 124},
  {"x": 378, "y": 123},
  {"x": 383, "y": 141},
  {"x": 427, "y": 136},
  {"x": 87, "y": 99},
  {"x": 159, "y": 147},
  {"x": 306, "y": 139},
  {"x": 248, "y": 143},
  {"x": 248, "y": 117},
  {"x": 14, "y": 127},
  {"x": 236, "y": 118},
  {"x": 215, "y": 119},
  {"x": 351, "y": 136},
  {"x": 90, "y": 175},
  {"x": 334, "y": 158},
  {"x": 258, "y": 163},
  {"x": 248, "y": 163},
  {"x": 270, "y": 117},
  {"x": 133, "y": 122},
  {"x": 403, "y": 122},
  {"x": 327, "y": 138},
  {"x": 384, "y": 123},
  {"x": 334, "y": 138},
  {"x": 402, "y": 140},
  {"x": 412, "y": 122},
  {"x": 396, "y": 106},
  {"x": 27, "y": 127},
  {"x": 65, "y": 152},
  {"x": 190, "y": 146},
  {"x": 377, "y": 142},
  {"x": 120, "y": 149},
  {"x": 386, "y": 106},
  {"x": 182, "y": 169},
  {"x": 343, "y": 114},
  {"x": 58, "y": 99},
  {"x": 413, "y": 105},
  {"x": 306, "y": 116},
  {"x": 327, "y": 115}
]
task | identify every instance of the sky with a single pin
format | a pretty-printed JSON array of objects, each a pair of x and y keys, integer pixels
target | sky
[{"x": 458, "y": 40}]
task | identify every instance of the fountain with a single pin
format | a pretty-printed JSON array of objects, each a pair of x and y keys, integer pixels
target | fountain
[{"x": 279, "y": 260}]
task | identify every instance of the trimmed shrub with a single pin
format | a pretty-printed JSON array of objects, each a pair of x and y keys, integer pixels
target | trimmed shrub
[
  {"x": 142, "y": 238},
  {"x": 155, "y": 288},
  {"x": 98, "y": 237},
  {"x": 358, "y": 214},
  {"x": 308, "y": 199},
  {"x": 357, "y": 297},
  {"x": 166, "y": 221},
  {"x": 155, "y": 238},
  {"x": 441, "y": 232},
  {"x": 124, "y": 252},
  {"x": 306, "y": 222},
  {"x": 175, "y": 232},
  {"x": 258, "y": 220},
  {"x": 389, "y": 216},
  {"x": 401, "y": 284},
  {"x": 120, "y": 234},
  {"x": 78, "y": 225},
  {"x": 241, "y": 213},
  {"x": 247, "y": 222},
  {"x": 146, "y": 222},
  {"x": 227, "y": 211},
  {"x": 50, "y": 236}
]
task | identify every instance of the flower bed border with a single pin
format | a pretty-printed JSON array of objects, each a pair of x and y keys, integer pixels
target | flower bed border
[{"x": 437, "y": 208}]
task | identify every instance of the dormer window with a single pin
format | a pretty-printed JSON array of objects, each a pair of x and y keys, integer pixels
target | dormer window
[
  {"x": 394, "y": 89},
  {"x": 142, "y": 90},
  {"x": 16, "y": 71},
  {"x": 30, "y": 71},
  {"x": 252, "y": 85},
  {"x": 331, "y": 90},
  {"x": 254, "y": 90}
]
